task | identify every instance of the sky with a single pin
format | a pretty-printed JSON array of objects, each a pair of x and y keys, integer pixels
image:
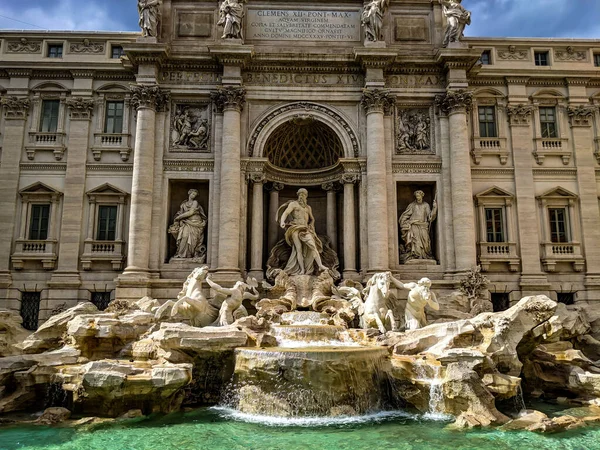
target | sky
[{"x": 491, "y": 18}]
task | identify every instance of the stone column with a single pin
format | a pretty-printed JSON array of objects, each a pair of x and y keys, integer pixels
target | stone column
[
  {"x": 273, "y": 225},
  {"x": 146, "y": 99},
  {"x": 456, "y": 103},
  {"x": 375, "y": 101},
  {"x": 446, "y": 191},
  {"x": 215, "y": 186},
  {"x": 581, "y": 118},
  {"x": 158, "y": 225},
  {"x": 349, "y": 180},
  {"x": 331, "y": 213},
  {"x": 233, "y": 100},
  {"x": 257, "y": 230},
  {"x": 15, "y": 119}
]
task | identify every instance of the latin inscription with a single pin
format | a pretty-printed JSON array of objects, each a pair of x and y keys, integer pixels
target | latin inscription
[
  {"x": 269, "y": 79},
  {"x": 411, "y": 81},
  {"x": 294, "y": 25},
  {"x": 185, "y": 77}
]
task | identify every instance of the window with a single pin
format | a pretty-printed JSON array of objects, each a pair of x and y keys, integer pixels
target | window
[
  {"x": 107, "y": 223},
  {"x": 541, "y": 59},
  {"x": 487, "y": 122},
  {"x": 558, "y": 225},
  {"x": 101, "y": 300},
  {"x": 486, "y": 57},
  {"x": 55, "y": 50},
  {"x": 500, "y": 301},
  {"x": 114, "y": 117},
  {"x": 116, "y": 52},
  {"x": 30, "y": 309},
  {"x": 494, "y": 224},
  {"x": 597, "y": 59},
  {"x": 38, "y": 227},
  {"x": 567, "y": 298},
  {"x": 548, "y": 122},
  {"x": 50, "y": 110}
]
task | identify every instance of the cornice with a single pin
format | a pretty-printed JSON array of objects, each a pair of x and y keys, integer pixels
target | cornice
[
  {"x": 188, "y": 165},
  {"x": 492, "y": 171},
  {"x": 43, "y": 167},
  {"x": 109, "y": 167},
  {"x": 416, "y": 167},
  {"x": 555, "y": 171}
]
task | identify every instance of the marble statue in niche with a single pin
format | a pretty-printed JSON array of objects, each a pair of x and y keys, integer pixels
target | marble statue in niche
[
  {"x": 457, "y": 18},
  {"x": 413, "y": 131},
  {"x": 149, "y": 11},
  {"x": 301, "y": 236},
  {"x": 419, "y": 297},
  {"x": 188, "y": 230},
  {"x": 415, "y": 225},
  {"x": 190, "y": 128},
  {"x": 372, "y": 19},
  {"x": 231, "y": 14}
]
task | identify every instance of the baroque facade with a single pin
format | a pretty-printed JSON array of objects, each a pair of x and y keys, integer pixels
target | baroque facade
[{"x": 127, "y": 159}]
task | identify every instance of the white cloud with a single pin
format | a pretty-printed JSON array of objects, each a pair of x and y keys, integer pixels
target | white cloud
[{"x": 63, "y": 15}]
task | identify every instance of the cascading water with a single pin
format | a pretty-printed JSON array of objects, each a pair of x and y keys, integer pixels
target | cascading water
[{"x": 430, "y": 375}]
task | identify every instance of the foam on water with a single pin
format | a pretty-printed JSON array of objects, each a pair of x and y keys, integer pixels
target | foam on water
[
  {"x": 292, "y": 343},
  {"x": 230, "y": 413}
]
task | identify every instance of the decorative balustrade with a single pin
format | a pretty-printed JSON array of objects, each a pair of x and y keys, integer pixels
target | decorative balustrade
[
  {"x": 489, "y": 147},
  {"x": 107, "y": 142},
  {"x": 112, "y": 252},
  {"x": 552, "y": 147},
  {"x": 569, "y": 252},
  {"x": 43, "y": 251},
  {"x": 498, "y": 252},
  {"x": 54, "y": 142}
]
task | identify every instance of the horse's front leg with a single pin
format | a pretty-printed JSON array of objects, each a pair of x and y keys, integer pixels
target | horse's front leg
[
  {"x": 390, "y": 320},
  {"x": 379, "y": 322}
]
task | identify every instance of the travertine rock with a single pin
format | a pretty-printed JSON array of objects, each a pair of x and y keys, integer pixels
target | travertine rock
[
  {"x": 54, "y": 415},
  {"x": 11, "y": 333},
  {"x": 49, "y": 335}
]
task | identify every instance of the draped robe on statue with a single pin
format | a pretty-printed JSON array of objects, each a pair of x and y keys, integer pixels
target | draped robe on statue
[{"x": 414, "y": 223}]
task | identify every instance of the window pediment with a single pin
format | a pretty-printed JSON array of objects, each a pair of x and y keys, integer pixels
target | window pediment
[
  {"x": 558, "y": 193},
  {"x": 40, "y": 190},
  {"x": 107, "y": 193}
]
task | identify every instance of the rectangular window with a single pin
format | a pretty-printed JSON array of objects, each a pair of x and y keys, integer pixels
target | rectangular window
[
  {"x": 55, "y": 50},
  {"x": 558, "y": 225},
  {"x": 114, "y": 117},
  {"x": 101, "y": 300},
  {"x": 50, "y": 110},
  {"x": 486, "y": 57},
  {"x": 548, "y": 122},
  {"x": 597, "y": 59},
  {"x": 117, "y": 52},
  {"x": 38, "y": 227},
  {"x": 487, "y": 122},
  {"x": 568, "y": 298},
  {"x": 500, "y": 301},
  {"x": 541, "y": 59},
  {"x": 494, "y": 224},
  {"x": 107, "y": 223},
  {"x": 30, "y": 309}
]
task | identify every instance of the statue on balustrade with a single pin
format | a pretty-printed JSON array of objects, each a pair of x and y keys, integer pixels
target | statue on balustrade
[
  {"x": 149, "y": 11},
  {"x": 372, "y": 19},
  {"x": 415, "y": 224},
  {"x": 457, "y": 18},
  {"x": 419, "y": 297},
  {"x": 231, "y": 14},
  {"x": 188, "y": 230}
]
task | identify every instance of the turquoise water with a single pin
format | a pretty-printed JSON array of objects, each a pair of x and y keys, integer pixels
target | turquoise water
[{"x": 223, "y": 430}]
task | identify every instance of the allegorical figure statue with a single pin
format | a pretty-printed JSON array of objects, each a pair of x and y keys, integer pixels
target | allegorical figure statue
[
  {"x": 419, "y": 297},
  {"x": 300, "y": 235},
  {"x": 149, "y": 11},
  {"x": 188, "y": 229},
  {"x": 457, "y": 18},
  {"x": 372, "y": 19},
  {"x": 415, "y": 224},
  {"x": 231, "y": 14},
  {"x": 232, "y": 308}
]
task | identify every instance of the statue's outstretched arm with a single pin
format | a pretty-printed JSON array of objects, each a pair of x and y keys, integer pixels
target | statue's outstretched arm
[
  {"x": 285, "y": 214},
  {"x": 251, "y": 296},
  {"x": 433, "y": 303},
  {"x": 218, "y": 288}
]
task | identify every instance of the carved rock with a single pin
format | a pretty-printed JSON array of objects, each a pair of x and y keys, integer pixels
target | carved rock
[{"x": 11, "y": 333}]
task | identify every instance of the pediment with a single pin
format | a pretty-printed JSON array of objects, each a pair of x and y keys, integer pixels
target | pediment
[
  {"x": 494, "y": 191},
  {"x": 39, "y": 188},
  {"x": 107, "y": 189},
  {"x": 558, "y": 192}
]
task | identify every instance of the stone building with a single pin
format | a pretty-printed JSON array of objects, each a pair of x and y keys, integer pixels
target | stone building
[{"x": 107, "y": 137}]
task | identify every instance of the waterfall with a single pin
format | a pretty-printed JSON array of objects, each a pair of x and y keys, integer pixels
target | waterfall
[{"x": 430, "y": 375}]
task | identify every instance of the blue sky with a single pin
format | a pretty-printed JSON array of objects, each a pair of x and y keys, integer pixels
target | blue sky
[{"x": 532, "y": 18}]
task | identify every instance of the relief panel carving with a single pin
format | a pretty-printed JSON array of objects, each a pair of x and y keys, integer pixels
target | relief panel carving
[
  {"x": 414, "y": 131},
  {"x": 190, "y": 127}
]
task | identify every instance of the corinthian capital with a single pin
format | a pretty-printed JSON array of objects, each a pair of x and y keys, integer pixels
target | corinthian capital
[
  {"x": 15, "y": 107},
  {"x": 580, "y": 116},
  {"x": 80, "y": 108},
  {"x": 519, "y": 115},
  {"x": 454, "y": 101},
  {"x": 229, "y": 98},
  {"x": 377, "y": 100},
  {"x": 150, "y": 97}
]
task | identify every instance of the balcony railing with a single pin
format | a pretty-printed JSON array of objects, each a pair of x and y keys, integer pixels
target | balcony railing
[
  {"x": 498, "y": 252},
  {"x": 489, "y": 147},
  {"x": 552, "y": 147},
  {"x": 103, "y": 251},
  {"x": 43, "y": 251},
  {"x": 108, "y": 142},
  {"x": 54, "y": 142},
  {"x": 569, "y": 252}
]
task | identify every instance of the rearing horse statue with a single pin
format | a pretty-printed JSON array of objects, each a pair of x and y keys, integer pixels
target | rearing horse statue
[{"x": 376, "y": 312}]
